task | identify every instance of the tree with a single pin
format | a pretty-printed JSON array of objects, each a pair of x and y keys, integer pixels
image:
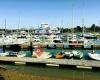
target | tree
[
  {"x": 79, "y": 28},
  {"x": 93, "y": 26}
]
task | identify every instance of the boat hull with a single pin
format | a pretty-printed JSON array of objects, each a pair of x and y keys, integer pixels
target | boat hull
[
  {"x": 77, "y": 54},
  {"x": 94, "y": 56},
  {"x": 68, "y": 55}
]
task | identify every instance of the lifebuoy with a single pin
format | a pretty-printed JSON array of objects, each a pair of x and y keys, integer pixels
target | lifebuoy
[{"x": 39, "y": 51}]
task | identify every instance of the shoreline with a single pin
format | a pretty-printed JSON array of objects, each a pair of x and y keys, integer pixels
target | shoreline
[{"x": 18, "y": 75}]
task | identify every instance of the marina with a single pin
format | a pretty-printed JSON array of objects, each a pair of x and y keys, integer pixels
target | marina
[
  {"x": 50, "y": 47},
  {"x": 57, "y": 49},
  {"x": 58, "y": 45},
  {"x": 49, "y": 40}
]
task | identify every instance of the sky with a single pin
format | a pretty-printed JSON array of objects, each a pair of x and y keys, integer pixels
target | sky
[{"x": 63, "y": 13}]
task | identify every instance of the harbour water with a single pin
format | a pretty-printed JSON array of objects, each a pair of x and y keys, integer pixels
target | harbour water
[
  {"x": 73, "y": 73},
  {"x": 40, "y": 70}
]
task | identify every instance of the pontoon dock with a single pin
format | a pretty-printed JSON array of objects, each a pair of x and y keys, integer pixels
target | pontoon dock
[
  {"x": 61, "y": 45},
  {"x": 70, "y": 62}
]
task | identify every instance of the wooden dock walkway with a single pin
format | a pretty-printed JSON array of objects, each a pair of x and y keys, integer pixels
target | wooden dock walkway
[
  {"x": 71, "y": 62},
  {"x": 58, "y": 45},
  {"x": 61, "y": 45},
  {"x": 10, "y": 43}
]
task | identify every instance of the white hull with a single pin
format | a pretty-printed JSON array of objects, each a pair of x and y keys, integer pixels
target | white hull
[
  {"x": 4, "y": 54},
  {"x": 21, "y": 55},
  {"x": 68, "y": 54},
  {"x": 94, "y": 56}
]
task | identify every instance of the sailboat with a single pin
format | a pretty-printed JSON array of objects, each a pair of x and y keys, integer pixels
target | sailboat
[
  {"x": 7, "y": 38},
  {"x": 73, "y": 39}
]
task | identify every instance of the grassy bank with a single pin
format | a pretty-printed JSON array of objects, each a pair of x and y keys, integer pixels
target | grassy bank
[{"x": 16, "y": 75}]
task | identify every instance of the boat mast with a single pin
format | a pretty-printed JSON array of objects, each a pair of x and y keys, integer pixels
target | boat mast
[
  {"x": 4, "y": 46},
  {"x": 62, "y": 26},
  {"x": 4, "y": 32},
  {"x": 72, "y": 30},
  {"x": 5, "y": 27},
  {"x": 83, "y": 27},
  {"x": 18, "y": 25}
]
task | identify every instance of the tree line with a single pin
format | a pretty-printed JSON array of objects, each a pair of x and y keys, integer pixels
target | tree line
[{"x": 93, "y": 28}]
